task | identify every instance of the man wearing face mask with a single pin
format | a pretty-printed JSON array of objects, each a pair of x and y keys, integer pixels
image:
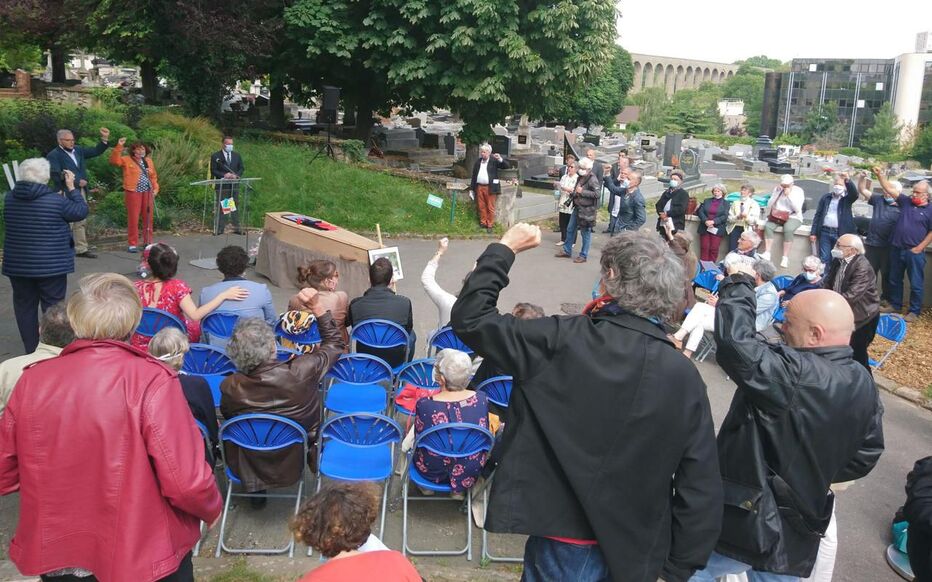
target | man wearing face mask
[
  {"x": 226, "y": 165},
  {"x": 71, "y": 157},
  {"x": 617, "y": 174},
  {"x": 833, "y": 217},
  {"x": 852, "y": 276},
  {"x": 672, "y": 204},
  {"x": 911, "y": 235},
  {"x": 626, "y": 206},
  {"x": 883, "y": 218}
]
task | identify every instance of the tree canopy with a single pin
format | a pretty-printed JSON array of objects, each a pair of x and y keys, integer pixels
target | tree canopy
[{"x": 883, "y": 137}]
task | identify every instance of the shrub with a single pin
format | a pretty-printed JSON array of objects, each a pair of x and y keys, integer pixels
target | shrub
[
  {"x": 852, "y": 152},
  {"x": 198, "y": 129},
  {"x": 354, "y": 150},
  {"x": 178, "y": 161}
]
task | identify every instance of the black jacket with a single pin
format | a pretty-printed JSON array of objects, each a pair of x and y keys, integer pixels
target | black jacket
[
  {"x": 859, "y": 288},
  {"x": 492, "y": 168},
  {"x": 59, "y": 160},
  {"x": 845, "y": 218},
  {"x": 617, "y": 448},
  {"x": 720, "y": 218},
  {"x": 801, "y": 419},
  {"x": 679, "y": 201},
  {"x": 219, "y": 167},
  {"x": 918, "y": 508},
  {"x": 380, "y": 302},
  {"x": 586, "y": 202}
]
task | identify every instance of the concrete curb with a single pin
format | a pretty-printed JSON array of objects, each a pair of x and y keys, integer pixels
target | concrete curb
[{"x": 905, "y": 392}]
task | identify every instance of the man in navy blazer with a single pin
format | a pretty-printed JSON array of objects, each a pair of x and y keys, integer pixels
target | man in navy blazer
[
  {"x": 226, "y": 164},
  {"x": 71, "y": 157},
  {"x": 833, "y": 217}
]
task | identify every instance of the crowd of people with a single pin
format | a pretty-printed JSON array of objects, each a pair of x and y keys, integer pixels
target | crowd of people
[{"x": 638, "y": 488}]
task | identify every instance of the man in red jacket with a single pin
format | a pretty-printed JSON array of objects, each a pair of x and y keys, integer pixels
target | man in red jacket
[{"x": 103, "y": 450}]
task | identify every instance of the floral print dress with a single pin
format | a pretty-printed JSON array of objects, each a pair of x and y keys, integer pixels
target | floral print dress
[
  {"x": 460, "y": 473},
  {"x": 173, "y": 291}
]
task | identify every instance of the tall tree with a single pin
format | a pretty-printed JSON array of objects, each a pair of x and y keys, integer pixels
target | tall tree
[
  {"x": 922, "y": 146},
  {"x": 19, "y": 52},
  {"x": 749, "y": 88},
  {"x": 597, "y": 102},
  {"x": 883, "y": 137},
  {"x": 654, "y": 109},
  {"x": 52, "y": 24},
  {"x": 820, "y": 120}
]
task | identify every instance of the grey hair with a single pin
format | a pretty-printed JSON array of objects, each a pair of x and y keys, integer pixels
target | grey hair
[
  {"x": 455, "y": 367},
  {"x": 923, "y": 183},
  {"x": 170, "y": 345},
  {"x": 765, "y": 270},
  {"x": 752, "y": 236},
  {"x": 54, "y": 328},
  {"x": 721, "y": 187},
  {"x": 585, "y": 164},
  {"x": 36, "y": 170},
  {"x": 747, "y": 187},
  {"x": 857, "y": 244},
  {"x": 252, "y": 344},
  {"x": 485, "y": 148},
  {"x": 62, "y": 133},
  {"x": 814, "y": 262},
  {"x": 636, "y": 174},
  {"x": 643, "y": 274}
]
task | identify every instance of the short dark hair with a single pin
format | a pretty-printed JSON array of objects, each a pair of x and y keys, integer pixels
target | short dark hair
[
  {"x": 232, "y": 261},
  {"x": 527, "y": 311},
  {"x": 678, "y": 173},
  {"x": 380, "y": 272},
  {"x": 163, "y": 261},
  {"x": 338, "y": 518},
  {"x": 55, "y": 328},
  {"x": 138, "y": 144},
  {"x": 226, "y": 137}
]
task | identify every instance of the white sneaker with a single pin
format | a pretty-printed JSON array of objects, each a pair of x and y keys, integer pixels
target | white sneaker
[
  {"x": 765, "y": 256},
  {"x": 784, "y": 262},
  {"x": 559, "y": 244}
]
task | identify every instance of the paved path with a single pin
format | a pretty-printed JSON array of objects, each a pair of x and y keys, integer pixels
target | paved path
[{"x": 864, "y": 510}]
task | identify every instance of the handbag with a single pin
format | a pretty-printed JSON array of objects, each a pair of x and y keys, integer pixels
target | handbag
[{"x": 778, "y": 216}]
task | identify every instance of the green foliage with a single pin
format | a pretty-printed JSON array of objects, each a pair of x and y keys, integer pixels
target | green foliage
[
  {"x": 922, "y": 147},
  {"x": 820, "y": 120},
  {"x": 18, "y": 51},
  {"x": 695, "y": 110},
  {"x": 599, "y": 101},
  {"x": 748, "y": 87},
  {"x": 790, "y": 139},
  {"x": 654, "y": 108},
  {"x": 760, "y": 62},
  {"x": 846, "y": 151},
  {"x": 354, "y": 150},
  {"x": 726, "y": 140},
  {"x": 199, "y": 129},
  {"x": 883, "y": 137},
  {"x": 179, "y": 160}
]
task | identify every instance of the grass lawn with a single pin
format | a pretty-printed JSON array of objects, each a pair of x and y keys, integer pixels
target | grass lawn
[{"x": 350, "y": 196}]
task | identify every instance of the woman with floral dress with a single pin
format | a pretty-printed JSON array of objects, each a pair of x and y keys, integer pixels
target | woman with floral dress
[{"x": 163, "y": 291}]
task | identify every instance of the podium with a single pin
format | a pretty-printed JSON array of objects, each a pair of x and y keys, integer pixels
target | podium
[{"x": 241, "y": 186}]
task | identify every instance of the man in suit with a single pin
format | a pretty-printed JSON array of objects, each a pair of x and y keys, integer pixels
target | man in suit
[
  {"x": 618, "y": 167},
  {"x": 485, "y": 185},
  {"x": 851, "y": 275},
  {"x": 226, "y": 165},
  {"x": 68, "y": 156},
  {"x": 381, "y": 302}
]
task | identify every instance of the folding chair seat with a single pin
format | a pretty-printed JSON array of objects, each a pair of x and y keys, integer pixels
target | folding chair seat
[
  {"x": 893, "y": 328},
  {"x": 210, "y": 363},
  {"x": 356, "y": 385},
  {"x": 418, "y": 374}
]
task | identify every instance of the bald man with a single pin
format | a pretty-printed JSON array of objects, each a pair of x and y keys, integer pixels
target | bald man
[
  {"x": 852, "y": 275},
  {"x": 804, "y": 416}
]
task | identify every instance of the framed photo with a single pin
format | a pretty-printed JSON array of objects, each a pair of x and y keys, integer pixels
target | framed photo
[{"x": 392, "y": 254}]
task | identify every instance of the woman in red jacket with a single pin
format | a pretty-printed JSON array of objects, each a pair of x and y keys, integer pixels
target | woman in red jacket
[
  {"x": 101, "y": 445},
  {"x": 140, "y": 187}
]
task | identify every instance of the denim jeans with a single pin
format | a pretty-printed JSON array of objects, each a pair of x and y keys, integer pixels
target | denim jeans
[
  {"x": 827, "y": 239},
  {"x": 904, "y": 261},
  {"x": 547, "y": 560},
  {"x": 571, "y": 230},
  {"x": 720, "y": 565}
]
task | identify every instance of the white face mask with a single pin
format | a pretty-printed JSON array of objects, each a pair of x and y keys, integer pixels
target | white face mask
[
  {"x": 625, "y": 183},
  {"x": 228, "y": 147},
  {"x": 810, "y": 276},
  {"x": 838, "y": 254},
  {"x": 674, "y": 183},
  {"x": 838, "y": 190},
  {"x": 582, "y": 172}
]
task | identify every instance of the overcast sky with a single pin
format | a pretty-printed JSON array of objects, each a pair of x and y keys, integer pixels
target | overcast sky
[{"x": 720, "y": 31}]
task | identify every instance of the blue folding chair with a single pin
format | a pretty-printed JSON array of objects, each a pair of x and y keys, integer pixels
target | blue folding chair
[
  {"x": 782, "y": 282},
  {"x": 455, "y": 440},
  {"x": 893, "y": 328},
  {"x": 155, "y": 320},
  {"x": 706, "y": 280},
  {"x": 218, "y": 325},
  {"x": 359, "y": 447},
  {"x": 380, "y": 334},
  {"x": 498, "y": 390},
  {"x": 210, "y": 363},
  {"x": 355, "y": 385},
  {"x": 306, "y": 339},
  {"x": 779, "y": 315},
  {"x": 285, "y": 354},
  {"x": 210, "y": 459},
  {"x": 444, "y": 338},
  {"x": 260, "y": 432},
  {"x": 420, "y": 375}
]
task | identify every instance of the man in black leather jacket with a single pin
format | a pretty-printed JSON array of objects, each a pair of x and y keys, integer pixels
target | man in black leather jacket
[{"x": 805, "y": 415}]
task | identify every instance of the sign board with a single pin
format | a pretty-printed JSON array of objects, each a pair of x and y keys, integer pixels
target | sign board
[{"x": 435, "y": 201}]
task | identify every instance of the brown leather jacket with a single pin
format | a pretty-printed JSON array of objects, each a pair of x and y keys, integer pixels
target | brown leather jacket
[
  {"x": 289, "y": 389},
  {"x": 859, "y": 288}
]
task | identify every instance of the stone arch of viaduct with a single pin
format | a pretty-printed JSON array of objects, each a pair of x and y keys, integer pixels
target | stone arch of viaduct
[{"x": 673, "y": 74}]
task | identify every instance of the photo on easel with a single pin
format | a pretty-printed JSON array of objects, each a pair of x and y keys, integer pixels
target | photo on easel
[{"x": 393, "y": 256}]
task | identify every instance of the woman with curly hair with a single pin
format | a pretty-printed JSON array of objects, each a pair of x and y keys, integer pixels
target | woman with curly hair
[{"x": 337, "y": 522}]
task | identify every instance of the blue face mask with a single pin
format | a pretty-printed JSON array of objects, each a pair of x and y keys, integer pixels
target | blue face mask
[
  {"x": 810, "y": 276},
  {"x": 890, "y": 201},
  {"x": 625, "y": 183},
  {"x": 674, "y": 183},
  {"x": 228, "y": 147}
]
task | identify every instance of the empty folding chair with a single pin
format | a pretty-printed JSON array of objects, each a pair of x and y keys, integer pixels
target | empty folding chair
[
  {"x": 266, "y": 433},
  {"x": 707, "y": 280},
  {"x": 211, "y": 363},
  {"x": 893, "y": 328},
  {"x": 414, "y": 381},
  {"x": 155, "y": 320},
  {"x": 454, "y": 440},
  {"x": 359, "y": 447},
  {"x": 444, "y": 338},
  {"x": 356, "y": 385}
]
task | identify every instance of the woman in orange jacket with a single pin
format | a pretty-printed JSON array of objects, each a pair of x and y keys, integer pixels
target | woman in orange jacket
[{"x": 140, "y": 187}]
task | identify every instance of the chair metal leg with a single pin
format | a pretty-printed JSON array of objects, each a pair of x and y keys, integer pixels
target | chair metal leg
[
  {"x": 486, "y": 554},
  {"x": 197, "y": 546},
  {"x": 406, "y": 549},
  {"x": 289, "y": 548},
  {"x": 384, "y": 505},
  {"x": 469, "y": 524},
  {"x": 223, "y": 519},
  {"x": 404, "y": 516}
]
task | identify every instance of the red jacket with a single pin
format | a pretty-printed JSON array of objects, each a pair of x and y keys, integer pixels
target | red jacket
[{"x": 109, "y": 464}]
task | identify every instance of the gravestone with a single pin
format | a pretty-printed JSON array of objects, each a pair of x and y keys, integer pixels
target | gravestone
[
  {"x": 449, "y": 143},
  {"x": 501, "y": 144},
  {"x": 430, "y": 141}
]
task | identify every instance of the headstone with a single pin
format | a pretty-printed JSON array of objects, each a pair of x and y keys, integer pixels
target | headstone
[
  {"x": 431, "y": 141},
  {"x": 672, "y": 144},
  {"x": 500, "y": 130},
  {"x": 449, "y": 143},
  {"x": 501, "y": 144},
  {"x": 763, "y": 142}
]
